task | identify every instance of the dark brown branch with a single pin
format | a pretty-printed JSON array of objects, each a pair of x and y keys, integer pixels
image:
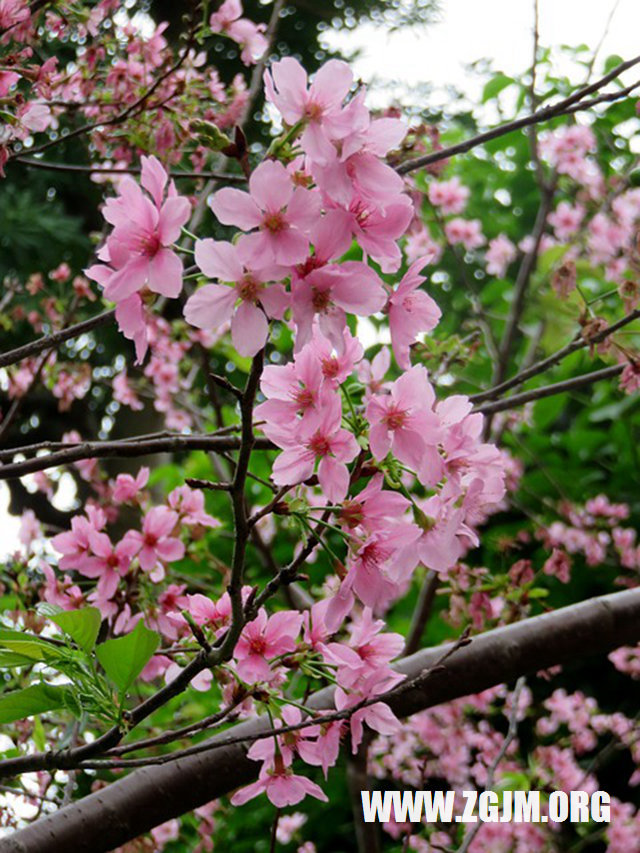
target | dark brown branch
[
  {"x": 55, "y": 338},
  {"x": 242, "y": 529},
  {"x": 136, "y": 107},
  {"x": 525, "y": 271},
  {"x": 421, "y": 612},
  {"x": 579, "y": 342},
  {"x": 125, "y": 170},
  {"x": 126, "y": 449},
  {"x": 567, "y": 106},
  {"x": 151, "y": 796},
  {"x": 549, "y": 390}
]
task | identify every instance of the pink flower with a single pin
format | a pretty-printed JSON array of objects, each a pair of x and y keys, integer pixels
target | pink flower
[
  {"x": 377, "y": 228},
  {"x": 372, "y": 373},
  {"x": 127, "y": 488},
  {"x": 379, "y": 566},
  {"x": 319, "y": 106},
  {"x": 377, "y": 716},
  {"x": 566, "y": 219},
  {"x": 156, "y": 545},
  {"x": 74, "y": 544},
  {"x": 124, "y": 394},
  {"x": 244, "y": 32},
  {"x": 281, "y": 785},
  {"x": 465, "y": 231},
  {"x": 7, "y": 80},
  {"x": 263, "y": 639},
  {"x": 329, "y": 293},
  {"x": 36, "y": 117},
  {"x": 318, "y": 745},
  {"x": 189, "y": 504},
  {"x": 215, "y": 304},
  {"x": 402, "y": 421},
  {"x": 108, "y": 563},
  {"x": 630, "y": 377},
  {"x": 367, "y": 651},
  {"x": 374, "y": 507},
  {"x": 499, "y": 255},
  {"x": 319, "y": 440},
  {"x": 282, "y": 214},
  {"x": 137, "y": 251},
  {"x": 144, "y": 228},
  {"x": 359, "y": 165},
  {"x": 292, "y": 389},
  {"x": 450, "y": 196},
  {"x": 411, "y": 312}
]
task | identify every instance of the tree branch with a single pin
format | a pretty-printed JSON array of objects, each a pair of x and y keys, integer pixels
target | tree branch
[
  {"x": 56, "y": 338},
  {"x": 579, "y": 342},
  {"x": 126, "y": 448},
  {"x": 549, "y": 390},
  {"x": 567, "y": 106},
  {"x": 150, "y": 796}
]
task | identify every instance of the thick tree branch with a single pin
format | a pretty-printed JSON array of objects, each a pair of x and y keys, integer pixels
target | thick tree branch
[{"x": 150, "y": 796}]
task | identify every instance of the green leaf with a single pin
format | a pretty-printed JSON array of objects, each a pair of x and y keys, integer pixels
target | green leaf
[
  {"x": 27, "y": 646},
  {"x": 547, "y": 260},
  {"x": 11, "y": 659},
  {"x": 493, "y": 88},
  {"x": 124, "y": 658},
  {"x": 32, "y": 700},
  {"x": 81, "y": 625}
]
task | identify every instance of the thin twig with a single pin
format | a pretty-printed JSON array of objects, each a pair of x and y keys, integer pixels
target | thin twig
[
  {"x": 549, "y": 390},
  {"x": 567, "y": 106},
  {"x": 491, "y": 772}
]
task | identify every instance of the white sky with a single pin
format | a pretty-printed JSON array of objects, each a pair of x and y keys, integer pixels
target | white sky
[
  {"x": 501, "y": 30},
  {"x": 468, "y": 30}
]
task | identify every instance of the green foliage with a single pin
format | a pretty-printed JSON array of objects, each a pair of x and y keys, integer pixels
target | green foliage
[
  {"x": 124, "y": 658},
  {"x": 32, "y": 700}
]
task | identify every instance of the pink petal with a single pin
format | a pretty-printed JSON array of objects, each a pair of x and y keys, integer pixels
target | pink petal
[
  {"x": 165, "y": 273},
  {"x": 174, "y": 214},
  {"x": 127, "y": 280},
  {"x": 218, "y": 259},
  {"x": 249, "y": 329},
  {"x": 271, "y": 186},
  {"x": 235, "y": 207},
  {"x": 153, "y": 178},
  {"x": 211, "y": 306}
]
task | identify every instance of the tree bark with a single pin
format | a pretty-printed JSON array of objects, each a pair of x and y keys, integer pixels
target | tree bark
[{"x": 152, "y": 795}]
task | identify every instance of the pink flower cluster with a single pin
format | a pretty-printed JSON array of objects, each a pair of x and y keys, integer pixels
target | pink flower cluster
[{"x": 138, "y": 254}]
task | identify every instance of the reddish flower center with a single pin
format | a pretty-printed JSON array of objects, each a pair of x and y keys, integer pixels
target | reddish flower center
[
  {"x": 395, "y": 418},
  {"x": 352, "y": 513},
  {"x": 330, "y": 367},
  {"x": 274, "y": 222},
  {"x": 248, "y": 289},
  {"x": 314, "y": 111},
  {"x": 372, "y": 555},
  {"x": 304, "y": 397},
  {"x": 319, "y": 444},
  {"x": 150, "y": 244},
  {"x": 312, "y": 263},
  {"x": 321, "y": 300},
  {"x": 150, "y": 540},
  {"x": 258, "y": 645},
  {"x": 360, "y": 211}
]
